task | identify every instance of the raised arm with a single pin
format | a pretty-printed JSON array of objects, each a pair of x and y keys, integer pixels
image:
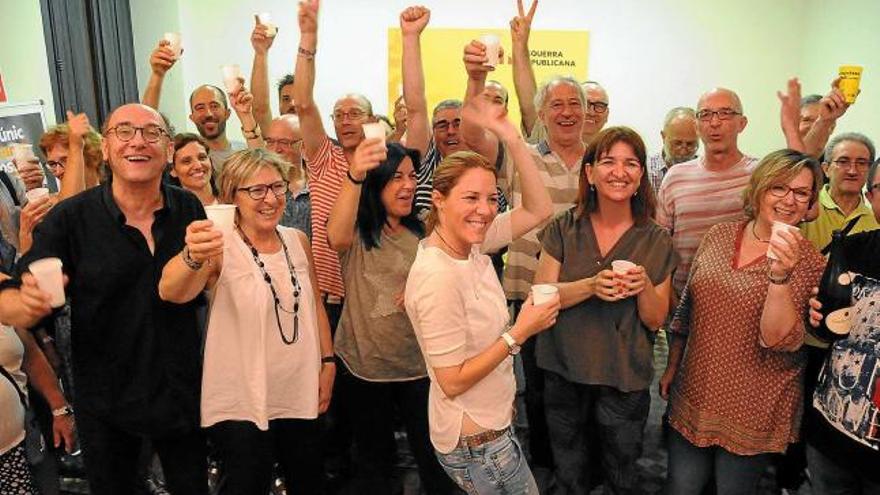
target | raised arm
[
  {"x": 261, "y": 42},
  {"x": 161, "y": 60},
  {"x": 833, "y": 107},
  {"x": 340, "y": 226},
  {"x": 790, "y": 115},
  {"x": 242, "y": 102},
  {"x": 473, "y": 134},
  {"x": 74, "y": 180},
  {"x": 412, "y": 22},
  {"x": 523, "y": 75},
  {"x": 196, "y": 267},
  {"x": 304, "y": 78}
]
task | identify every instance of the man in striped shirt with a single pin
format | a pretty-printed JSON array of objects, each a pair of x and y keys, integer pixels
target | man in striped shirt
[{"x": 698, "y": 194}]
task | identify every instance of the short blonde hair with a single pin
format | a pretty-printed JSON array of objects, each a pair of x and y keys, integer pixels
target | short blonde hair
[
  {"x": 241, "y": 165},
  {"x": 448, "y": 172},
  {"x": 778, "y": 167}
]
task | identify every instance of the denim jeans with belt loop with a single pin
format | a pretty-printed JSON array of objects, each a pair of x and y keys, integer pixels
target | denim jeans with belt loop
[{"x": 495, "y": 467}]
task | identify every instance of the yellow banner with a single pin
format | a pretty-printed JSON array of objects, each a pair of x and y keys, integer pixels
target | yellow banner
[{"x": 552, "y": 53}]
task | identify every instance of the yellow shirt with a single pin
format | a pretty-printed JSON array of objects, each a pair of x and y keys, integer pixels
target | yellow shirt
[{"x": 831, "y": 218}]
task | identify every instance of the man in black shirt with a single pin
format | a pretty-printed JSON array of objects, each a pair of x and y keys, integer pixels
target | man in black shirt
[
  {"x": 838, "y": 462},
  {"x": 136, "y": 358}
]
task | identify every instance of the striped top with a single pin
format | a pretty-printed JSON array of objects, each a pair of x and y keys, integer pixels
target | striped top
[
  {"x": 562, "y": 184},
  {"x": 693, "y": 199},
  {"x": 326, "y": 170}
]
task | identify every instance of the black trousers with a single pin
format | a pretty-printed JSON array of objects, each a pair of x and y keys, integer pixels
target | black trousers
[
  {"x": 112, "y": 458},
  {"x": 247, "y": 455},
  {"x": 371, "y": 408}
]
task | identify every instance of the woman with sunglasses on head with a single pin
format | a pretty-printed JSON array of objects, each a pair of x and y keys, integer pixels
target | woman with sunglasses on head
[
  {"x": 374, "y": 228},
  {"x": 460, "y": 317},
  {"x": 269, "y": 368},
  {"x": 735, "y": 395}
]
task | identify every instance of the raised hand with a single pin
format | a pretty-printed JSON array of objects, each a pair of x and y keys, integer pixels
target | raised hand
[
  {"x": 399, "y": 114},
  {"x": 414, "y": 19},
  {"x": 475, "y": 59},
  {"x": 162, "y": 58},
  {"x": 368, "y": 155},
  {"x": 490, "y": 116},
  {"x": 308, "y": 16},
  {"x": 833, "y": 105},
  {"x": 790, "y": 110},
  {"x": 79, "y": 126},
  {"x": 786, "y": 246},
  {"x": 521, "y": 25},
  {"x": 260, "y": 39},
  {"x": 242, "y": 100},
  {"x": 203, "y": 240}
]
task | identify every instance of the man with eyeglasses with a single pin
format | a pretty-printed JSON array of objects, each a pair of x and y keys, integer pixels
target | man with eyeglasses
[
  {"x": 848, "y": 157},
  {"x": 136, "y": 359},
  {"x": 680, "y": 144},
  {"x": 285, "y": 138}
]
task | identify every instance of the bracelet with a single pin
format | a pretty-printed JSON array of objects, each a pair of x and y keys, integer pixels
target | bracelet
[
  {"x": 251, "y": 134},
  {"x": 189, "y": 262},
  {"x": 353, "y": 180},
  {"x": 309, "y": 55},
  {"x": 778, "y": 280},
  {"x": 328, "y": 360},
  {"x": 64, "y": 410}
]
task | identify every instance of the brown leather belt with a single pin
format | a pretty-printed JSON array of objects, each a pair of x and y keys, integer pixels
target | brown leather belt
[{"x": 480, "y": 438}]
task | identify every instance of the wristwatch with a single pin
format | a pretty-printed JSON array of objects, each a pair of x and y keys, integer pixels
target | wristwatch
[
  {"x": 64, "y": 410},
  {"x": 512, "y": 347}
]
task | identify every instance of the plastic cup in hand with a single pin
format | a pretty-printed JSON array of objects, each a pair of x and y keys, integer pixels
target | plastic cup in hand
[
  {"x": 543, "y": 293},
  {"x": 850, "y": 77},
  {"x": 774, "y": 234},
  {"x": 47, "y": 271},
  {"x": 266, "y": 20},
  {"x": 621, "y": 267},
  {"x": 493, "y": 45},
  {"x": 23, "y": 154},
  {"x": 375, "y": 130},
  {"x": 173, "y": 40},
  {"x": 36, "y": 194},
  {"x": 231, "y": 78},
  {"x": 223, "y": 217}
]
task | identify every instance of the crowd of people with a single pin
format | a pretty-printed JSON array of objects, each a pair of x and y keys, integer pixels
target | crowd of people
[{"x": 373, "y": 285}]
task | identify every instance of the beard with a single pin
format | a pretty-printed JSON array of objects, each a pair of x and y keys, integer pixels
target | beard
[{"x": 221, "y": 129}]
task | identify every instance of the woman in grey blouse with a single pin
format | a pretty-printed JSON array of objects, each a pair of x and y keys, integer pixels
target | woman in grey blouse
[{"x": 598, "y": 357}]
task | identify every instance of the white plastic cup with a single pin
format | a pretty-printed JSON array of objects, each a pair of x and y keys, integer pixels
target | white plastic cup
[
  {"x": 47, "y": 271},
  {"x": 174, "y": 43},
  {"x": 23, "y": 153},
  {"x": 36, "y": 194},
  {"x": 231, "y": 75},
  {"x": 493, "y": 45},
  {"x": 266, "y": 20},
  {"x": 621, "y": 267},
  {"x": 223, "y": 217},
  {"x": 543, "y": 293},
  {"x": 375, "y": 130},
  {"x": 774, "y": 234}
]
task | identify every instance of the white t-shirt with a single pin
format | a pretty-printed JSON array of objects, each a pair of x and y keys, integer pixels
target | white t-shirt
[
  {"x": 458, "y": 310},
  {"x": 250, "y": 374},
  {"x": 11, "y": 410}
]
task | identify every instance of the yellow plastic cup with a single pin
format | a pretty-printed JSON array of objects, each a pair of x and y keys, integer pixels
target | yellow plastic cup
[{"x": 850, "y": 77}]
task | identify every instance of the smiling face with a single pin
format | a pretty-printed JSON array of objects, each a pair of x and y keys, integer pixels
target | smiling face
[
  {"x": 192, "y": 167},
  {"x": 563, "y": 113},
  {"x": 397, "y": 195},
  {"x": 136, "y": 161},
  {"x": 260, "y": 214},
  {"x": 349, "y": 116},
  {"x": 446, "y": 125},
  {"x": 208, "y": 112},
  {"x": 847, "y": 167},
  {"x": 791, "y": 207},
  {"x": 594, "y": 121},
  {"x": 467, "y": 211},
  {"x": 616, "y": 175},
  {"x": 56, "y": 157}
]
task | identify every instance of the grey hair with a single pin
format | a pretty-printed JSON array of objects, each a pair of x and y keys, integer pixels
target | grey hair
[
  {"x": 679, "y": 112},
  {"x": 872, "y": 172},
  {"x": 810, "y": 100},
  {"x": 446, "y": 104},
  {"x": 849, "y": 136},
  {"x": 365, "y": 103},
  {"x": 545, "y": 88}
]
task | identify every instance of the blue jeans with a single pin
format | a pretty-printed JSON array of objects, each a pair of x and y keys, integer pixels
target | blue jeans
[
  {"x": 496, "y": 467},
  {"x": 832, "y": 478},
  {"x": 691, "y": 467}
]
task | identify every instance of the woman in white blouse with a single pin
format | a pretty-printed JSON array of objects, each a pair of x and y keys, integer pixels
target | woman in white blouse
[
  {"x": 460, "y": 317},
  {"x": 269, "y": 366}
]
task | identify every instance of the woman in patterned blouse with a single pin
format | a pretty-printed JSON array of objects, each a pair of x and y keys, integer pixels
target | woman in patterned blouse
[{"x": 735, "y": 397}]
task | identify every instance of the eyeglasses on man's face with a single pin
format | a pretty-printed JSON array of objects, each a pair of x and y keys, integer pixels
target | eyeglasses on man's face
[
  {"x": 126, "y": 132},
  {"x": 706, "y": 115}
]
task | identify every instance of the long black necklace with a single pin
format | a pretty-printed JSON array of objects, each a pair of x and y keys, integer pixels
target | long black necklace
[{"x": 293, "y": 281}]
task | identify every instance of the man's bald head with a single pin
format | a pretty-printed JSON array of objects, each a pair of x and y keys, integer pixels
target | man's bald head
[
  {"x": 125, "y": 111},
  {"x": 284, "y": 137},
  {"x": 714, "y": 93}
]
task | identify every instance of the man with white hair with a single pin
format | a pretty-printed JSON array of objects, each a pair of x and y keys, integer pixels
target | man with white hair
[{"x": 680, "y": 144}]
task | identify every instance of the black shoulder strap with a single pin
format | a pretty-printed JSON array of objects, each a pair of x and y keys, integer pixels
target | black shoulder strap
[
  {"x": 845, "y": 230},
  {"x": 21, "y": 396},
  {"x": 11, "y": 188}
]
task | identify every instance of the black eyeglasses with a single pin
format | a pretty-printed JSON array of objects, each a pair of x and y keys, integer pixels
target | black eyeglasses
[
  {"x": 723, "y": 114},
  {"x": 800, "y": 195},
  {"x": 126, "y": 132},
  {"x": 597, "y": 106},
  {"x": 860, "y": 165},
  {"x": 259, "y": 191},
  {"x": 54, "y": 164},
  {"x": 282, "y": 143}
]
